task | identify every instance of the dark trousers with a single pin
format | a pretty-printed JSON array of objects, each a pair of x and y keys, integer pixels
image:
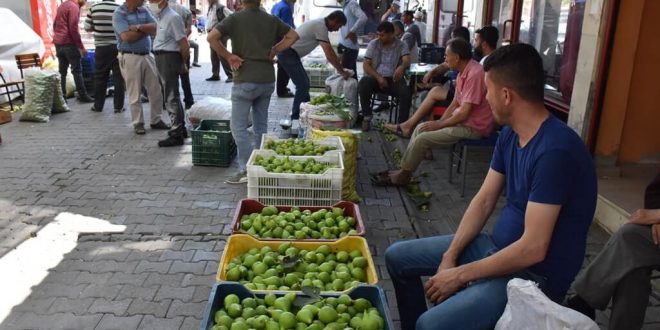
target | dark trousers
[
  {"x": 216, "y": 60},
  {"x": 169, "y": 66},
  {"x": 194, "y": 46},
  {"x": 185, "y": 85},
  {"x": 349, "y": 58},
  {"x": 70, "y": 55},
  {"x": 369, "y": 85},
  {"x": 106, "y": 61},
  {"x": 290, "y": 61},
  {"x": 282, "y": 80}
]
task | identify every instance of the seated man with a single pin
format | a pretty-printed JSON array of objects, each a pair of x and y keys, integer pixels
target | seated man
[
  {"x": 312, "y": 33},
  {"x": 384, "y": 65},
  {"x": 467, "y": 117},
  {"x": 485, "y": 42},
  {"x": 541, "y": 232},
  {"x": 621, "y": 271}
]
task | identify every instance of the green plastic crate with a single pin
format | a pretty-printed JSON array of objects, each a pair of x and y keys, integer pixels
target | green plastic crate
[{"x": 213, "y": 144}]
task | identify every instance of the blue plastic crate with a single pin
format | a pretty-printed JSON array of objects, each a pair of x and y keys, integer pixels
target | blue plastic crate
[{"x": 373, "y": 293}]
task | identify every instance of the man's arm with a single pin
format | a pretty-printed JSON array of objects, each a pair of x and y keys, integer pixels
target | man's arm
[
  {"x": 88, "y": 24},
  {"x": 214, "y": 41},
  {"x": 289, "y": 39},
  {"x": 355, "y": 9},
  {"x": 332, "y": 58},
  {"x": 73, "y": 18},
  {"x": 369, "y": 69},
  {"x": 400, "y": 70},
  {"x": 441, "y": 69}
]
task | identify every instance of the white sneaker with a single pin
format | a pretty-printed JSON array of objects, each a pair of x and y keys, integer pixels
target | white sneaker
[{"x": 238, "y": 178}]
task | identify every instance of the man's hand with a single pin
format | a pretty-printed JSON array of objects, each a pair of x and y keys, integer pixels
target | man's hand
[
  {"x": 352, "y": 37},
  {"x": 235, "y": 62},
  {"x": 382, "y": 83},
  {"x": 272, "y": 54},
  {"x": 443, "y": 285},
  {"x": 447, "y": 263},
  {"x": 430, "y": 126},
  {"x": 133, "y": 28},
  {"x": 645, "y": 217},
  {"x": 83, "y": 52},
  {"x": 427, "y": 78},
  {"x": 345, "y": 74},
  {"x": 184, "y": 68},
  {"x": 398, "y": 73},
  {"x": 655, "y": 232}
]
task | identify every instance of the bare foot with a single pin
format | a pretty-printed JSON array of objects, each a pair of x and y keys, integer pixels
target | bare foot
[{"x": 400, "y": 177}]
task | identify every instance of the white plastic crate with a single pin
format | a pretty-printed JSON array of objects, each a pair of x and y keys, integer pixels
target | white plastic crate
[
  {"x": 332, "y": 141},
  {"x": 317, "y": 76},
  {"x": 289, "y": 189}
]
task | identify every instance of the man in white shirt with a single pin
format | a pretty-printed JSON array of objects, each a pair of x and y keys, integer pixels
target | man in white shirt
[
  {"x": 216, "y": 13},
  {"x": 312, "y": 33},
  {"x": 348, "y": 43}
]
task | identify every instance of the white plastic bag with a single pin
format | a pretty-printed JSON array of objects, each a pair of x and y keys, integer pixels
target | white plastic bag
[
  {"x": 336, "y": 85},
  {"x": 529, "y": 308}
]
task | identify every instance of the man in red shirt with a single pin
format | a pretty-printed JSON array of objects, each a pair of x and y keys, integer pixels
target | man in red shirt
[{"x": 69, "y": 46}]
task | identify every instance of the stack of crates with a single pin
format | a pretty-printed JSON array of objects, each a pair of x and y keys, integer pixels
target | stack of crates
[
  {"x": 241, "y": 269},
  {"x": 317, "y": 77}
]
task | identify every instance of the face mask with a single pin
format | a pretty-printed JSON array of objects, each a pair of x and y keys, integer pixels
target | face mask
[{"x": 154, "y": 8}]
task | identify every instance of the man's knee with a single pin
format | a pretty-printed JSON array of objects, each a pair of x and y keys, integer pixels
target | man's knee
[
  {"x": 438, "y": 93},
  {"x": 630, "y": 233},
  {"x": 393, "y": 255}
]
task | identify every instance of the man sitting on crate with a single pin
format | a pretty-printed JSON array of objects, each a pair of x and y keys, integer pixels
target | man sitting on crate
[
  {"x": 385, "y": 64},
  {"x": 541, "y": 232},
  {"x": 312, "y": 33}
]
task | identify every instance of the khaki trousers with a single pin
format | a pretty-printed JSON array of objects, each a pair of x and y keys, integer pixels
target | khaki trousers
[
  {"x": 139, "y": 70},
  {"x": 420, "y": 141}
]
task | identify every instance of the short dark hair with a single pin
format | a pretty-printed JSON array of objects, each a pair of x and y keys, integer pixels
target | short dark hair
[
  {"x": 520, "y": 67},
  {"x": 408, "y": 13},
  {"x": 399, "y": 24},
  {"x": 337, "y": 16},
  {"x": 461, "y": 32},
  {"x": 461, "y": 47},
  {"x": 385, "y": 27},
  {"x": 489, "y": 34}
]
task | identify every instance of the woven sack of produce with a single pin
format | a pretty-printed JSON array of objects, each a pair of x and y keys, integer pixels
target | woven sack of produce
[
  {"x": 59, "y": 104},
  {"x": 350, "y": 141},
  {"x": 39, "y": 94}
]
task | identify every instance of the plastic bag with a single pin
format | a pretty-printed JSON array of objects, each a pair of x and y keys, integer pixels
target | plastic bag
[
  {"x": 309, "y": 118},
  {"x": 209, "y": 108},
  {"x": 338, "y": 86},
  {"x": 350, "y": 141},
  {"x": 529, "y": 308},
  {"x": 59, "y": 104},
  {"x": 39, "y": 94}
]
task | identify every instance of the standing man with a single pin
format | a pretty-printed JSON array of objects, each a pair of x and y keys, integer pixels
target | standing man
[
  {"x": 187, "y": 17},
  {"x": 541, "y": 232},
  {"x": 99, "y": 20},
  {"x": 69, "y": 46},
  {"x": 257, "y": 37},
  {"x": 134, "y": 26},
  {"x": 393, "y": 13},
  {"x": 348, "y": 43},
  {"x": 172, "y": 55},
  {"x": 485, "y": 42},
  {"x": 312, "y": 33},
  {"x": 284, "y": 11},
  {"x": 411, "y": 27},
  {"x": 419, "y": 21},
  {"x": 216, "y": 14}
]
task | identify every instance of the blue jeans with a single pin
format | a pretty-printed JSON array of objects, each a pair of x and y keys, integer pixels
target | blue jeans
[
  {"x": 478, "y": 306},
  {"x": 291, "y": 63},
  {"x": 243, "y": 97}
]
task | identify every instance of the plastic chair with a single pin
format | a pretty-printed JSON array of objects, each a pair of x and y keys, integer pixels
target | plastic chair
[
  {"x": 460, "y": 150},
  {"x": 393, "y": 101}
]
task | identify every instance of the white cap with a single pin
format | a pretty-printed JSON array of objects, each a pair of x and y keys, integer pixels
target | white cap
[
  {"x": 396, "y": 3},
  {"x": 419, "y": 14}
]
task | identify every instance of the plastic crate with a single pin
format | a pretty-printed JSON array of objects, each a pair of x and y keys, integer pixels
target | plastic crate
[
  {"x": 213, "y": 144},
  {"x": 317, "y": 76},
  {"x": 240, "y": 244},
  {"x": 373, "y": 293},
  {"x": 332, "y": 141},
  {"x": 296, "y": 189},
  {"x": 248, "y": 206}
]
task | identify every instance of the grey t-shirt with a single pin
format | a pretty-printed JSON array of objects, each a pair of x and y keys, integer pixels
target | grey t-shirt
[
  {"x": 169, "y": 30},
  {"x": 385, "y": 59},
  {"x": 311, "y": 34}
]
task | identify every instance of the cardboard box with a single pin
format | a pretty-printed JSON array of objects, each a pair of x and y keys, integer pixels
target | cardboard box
[{"x": 5, "y": 116}]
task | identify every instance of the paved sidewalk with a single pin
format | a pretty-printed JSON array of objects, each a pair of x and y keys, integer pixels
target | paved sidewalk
[{"x": 156, "y": 271}]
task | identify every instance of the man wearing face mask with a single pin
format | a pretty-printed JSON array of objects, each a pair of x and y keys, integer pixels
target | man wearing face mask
[
  {"x": 134, "y": 26},
  {"x": 69, "y": 46},
  {"x": 172, "y": 52}
]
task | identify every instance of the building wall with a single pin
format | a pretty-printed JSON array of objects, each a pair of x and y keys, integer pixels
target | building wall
[
  {"x": 630, "y": 118},
  {"x": 21, "y": 8}
]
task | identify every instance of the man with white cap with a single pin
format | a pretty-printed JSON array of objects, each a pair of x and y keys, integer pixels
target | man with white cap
[
  {"x": 393, "y": 13},
  {"x": 419, "y": 21}
]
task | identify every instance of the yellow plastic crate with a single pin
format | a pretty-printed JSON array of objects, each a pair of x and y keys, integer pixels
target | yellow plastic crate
[{"x": 239, "y": 244}]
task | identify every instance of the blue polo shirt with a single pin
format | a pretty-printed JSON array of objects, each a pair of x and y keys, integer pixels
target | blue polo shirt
[
  {"x": 122, "y": 19},
  {"x": 553, "y": 168},
  {"x": 283, "y": 11}
]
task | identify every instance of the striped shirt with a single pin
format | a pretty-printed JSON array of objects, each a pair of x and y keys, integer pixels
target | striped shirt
[{"x": 99, "y": 20}]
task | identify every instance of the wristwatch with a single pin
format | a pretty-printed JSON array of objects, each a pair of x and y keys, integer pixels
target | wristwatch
[{"x": 137, "y": 28}]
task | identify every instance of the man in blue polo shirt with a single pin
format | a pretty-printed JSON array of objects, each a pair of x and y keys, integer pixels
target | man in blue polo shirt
[
  {"x": 284, "y": 11},
  {"x": 133, "y": 25},
  {"x": 172, "y": 52},
  {"x": 541, "y": 232}
]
